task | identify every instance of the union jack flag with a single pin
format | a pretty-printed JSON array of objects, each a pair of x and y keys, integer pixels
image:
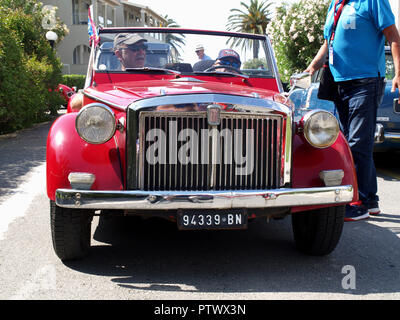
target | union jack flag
[{"x": 93, "y": 35}]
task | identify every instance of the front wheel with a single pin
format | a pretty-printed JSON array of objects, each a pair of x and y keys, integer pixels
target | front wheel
[
  {"x": 317, "y": 232},
  {"x": 70, "y": 231}
]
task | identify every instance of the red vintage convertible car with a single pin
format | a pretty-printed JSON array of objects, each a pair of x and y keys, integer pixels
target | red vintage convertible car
[{"x": 208, "y": 144}]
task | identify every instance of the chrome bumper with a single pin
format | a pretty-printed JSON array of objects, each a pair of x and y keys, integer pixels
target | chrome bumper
[
  {"x": 153, "y": 200},
  {"x": 392, "y": 137}
]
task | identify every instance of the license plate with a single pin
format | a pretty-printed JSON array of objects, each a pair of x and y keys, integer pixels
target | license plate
[{"x": 212, "y": 219}]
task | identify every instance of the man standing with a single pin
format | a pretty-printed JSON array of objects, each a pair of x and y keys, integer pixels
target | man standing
[
  {"x": 357, "y": 62},
  {"x": 200, "y": 53}
]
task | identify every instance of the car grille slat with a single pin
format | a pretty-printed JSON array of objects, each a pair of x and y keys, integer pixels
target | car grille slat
[{"x": 189, "y": 164}]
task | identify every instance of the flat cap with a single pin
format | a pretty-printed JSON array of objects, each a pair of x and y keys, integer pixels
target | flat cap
[{"x": 127, "y": 38}]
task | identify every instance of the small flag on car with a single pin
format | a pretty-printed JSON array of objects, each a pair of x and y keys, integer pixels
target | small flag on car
[{"x": 93, "y": 36}]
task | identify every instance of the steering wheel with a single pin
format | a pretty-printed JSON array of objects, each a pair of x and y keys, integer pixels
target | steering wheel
[{"x": 223, "y": 67}]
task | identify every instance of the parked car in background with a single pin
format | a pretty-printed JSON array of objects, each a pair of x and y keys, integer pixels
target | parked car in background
[
  {"x": 210, "y": 148},
  {"x": 387, "y": 136}
]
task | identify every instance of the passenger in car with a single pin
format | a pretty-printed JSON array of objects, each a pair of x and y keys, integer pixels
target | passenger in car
[
  {"x": 229, "y": 60},
  {"x": 130, "y": 49}
]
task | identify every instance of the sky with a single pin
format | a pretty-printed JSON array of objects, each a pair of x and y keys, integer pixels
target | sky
[{"x": 197, "y": 14}]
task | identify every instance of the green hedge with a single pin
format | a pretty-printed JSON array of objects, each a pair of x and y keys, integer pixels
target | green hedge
[
  {"x": 74, "y": 80},
  {"x": 29, "y": 69}
]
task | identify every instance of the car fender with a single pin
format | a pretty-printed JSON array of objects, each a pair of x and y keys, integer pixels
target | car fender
[
  {"x": 309, "y": 161},
  {"x": 67, "y": 152}
]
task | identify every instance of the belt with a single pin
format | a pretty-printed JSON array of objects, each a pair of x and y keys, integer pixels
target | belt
[{"x": 357, "y": 82}]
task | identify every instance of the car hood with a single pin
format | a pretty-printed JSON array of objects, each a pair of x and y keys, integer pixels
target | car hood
[{"x": 124, "y": 93}]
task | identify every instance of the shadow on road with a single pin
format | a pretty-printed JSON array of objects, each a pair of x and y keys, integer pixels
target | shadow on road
[
  {"x": 19, "y": 153},
  {"x": 154, "y": 255},
  {"x": 387, "y": 165}
]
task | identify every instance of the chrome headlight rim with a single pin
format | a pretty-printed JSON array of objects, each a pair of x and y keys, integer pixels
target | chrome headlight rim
[
  {"x": 107, "y": 109},
  {"x": 307, "y": 121}
]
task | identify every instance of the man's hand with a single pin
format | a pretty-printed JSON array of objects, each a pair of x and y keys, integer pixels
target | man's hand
[
  {"x": 311, "y": 69},
  {"x": 395, "y": 83}
]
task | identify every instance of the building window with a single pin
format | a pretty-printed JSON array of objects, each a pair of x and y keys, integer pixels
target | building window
[
  {"x": 80, "y": 9},
  {"x": 81, "y": 54},
  {"x": 130, "y": 18},
  {"x": 101, "y": 14},
  {"x": 110, "y": 16}
]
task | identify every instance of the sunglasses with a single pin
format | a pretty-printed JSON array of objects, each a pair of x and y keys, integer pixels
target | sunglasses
[
  {"x": 136, "y": 48},
  {"x": 226, "y": 62}
]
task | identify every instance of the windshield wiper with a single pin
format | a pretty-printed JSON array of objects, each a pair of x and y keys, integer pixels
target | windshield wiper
[
  {"x": 219, "y": 73},
  {"x": 151, "y": 69}
]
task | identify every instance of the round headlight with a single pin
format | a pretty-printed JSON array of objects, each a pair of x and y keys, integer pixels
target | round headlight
[
  {"x": 95, "y": 123},
  {"x": 321, "y": 128}
]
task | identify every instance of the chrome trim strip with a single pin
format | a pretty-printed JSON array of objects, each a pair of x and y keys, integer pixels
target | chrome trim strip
[
  {"x": 249, "y": 104},
  {"x": 144, "y": 200},
  {"x": 391, "y": 136},
  {"x": 287, "y": 160}
]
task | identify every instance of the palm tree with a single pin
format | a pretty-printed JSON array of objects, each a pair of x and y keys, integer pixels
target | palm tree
[
  {"x": 254, "y": 18},
  {"x": 174, "y": 40}
]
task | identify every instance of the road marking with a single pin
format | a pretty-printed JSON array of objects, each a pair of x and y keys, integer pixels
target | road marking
[{"x": 17, "y": 205}]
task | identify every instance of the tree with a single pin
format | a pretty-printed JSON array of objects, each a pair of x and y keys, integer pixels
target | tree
[
  {"x": 254, "y": 18},
  {"x": 174, "y": 40},
  {"x": 296, "y": 34},
  {"x": 29, "y": 68}
]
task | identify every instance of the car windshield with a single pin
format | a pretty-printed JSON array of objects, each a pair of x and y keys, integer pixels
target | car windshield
[{"x": 189, "y": 52}]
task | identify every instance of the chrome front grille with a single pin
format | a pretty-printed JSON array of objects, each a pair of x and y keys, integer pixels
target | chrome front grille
[{"x": 181, "y": 151}]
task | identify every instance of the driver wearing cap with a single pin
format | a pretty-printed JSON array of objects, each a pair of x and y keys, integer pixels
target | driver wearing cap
[
  {"x": 130, "y": 50},
  {"x": 230, "y": 59}
]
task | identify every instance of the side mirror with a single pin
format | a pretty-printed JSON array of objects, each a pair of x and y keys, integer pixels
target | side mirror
[
  {"x": 396, "y": 106},
  {"x": 300, "y": 80}
]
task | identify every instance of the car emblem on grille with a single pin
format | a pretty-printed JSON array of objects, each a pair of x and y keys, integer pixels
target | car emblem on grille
[{"x": 214, "y": 114}]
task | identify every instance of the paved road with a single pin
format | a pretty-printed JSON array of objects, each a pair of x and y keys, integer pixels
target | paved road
[{"x": 152, "y": 260}]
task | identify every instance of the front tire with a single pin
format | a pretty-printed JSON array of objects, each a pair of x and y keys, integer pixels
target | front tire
[
  {"x": 317, "y": 232},
  {"x": 70, "y": 231}
]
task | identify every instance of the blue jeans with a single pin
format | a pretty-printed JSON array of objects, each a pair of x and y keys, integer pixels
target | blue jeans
[{"x": 357, "y": 105}]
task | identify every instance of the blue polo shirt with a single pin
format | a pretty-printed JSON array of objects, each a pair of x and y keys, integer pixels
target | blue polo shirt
[{"x": 359, "y": 44}]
